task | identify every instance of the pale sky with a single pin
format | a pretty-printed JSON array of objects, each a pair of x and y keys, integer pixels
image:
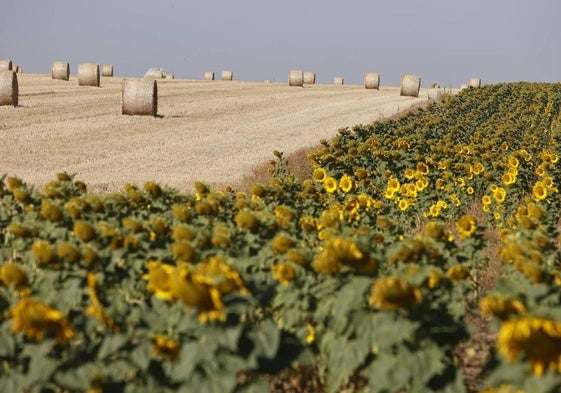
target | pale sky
[{"x": 443, "y": 41}]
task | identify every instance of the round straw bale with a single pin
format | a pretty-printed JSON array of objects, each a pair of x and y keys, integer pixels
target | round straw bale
[
  {"x": 155, "y": 73},
  {"x": 410, "y": 85},
  {"x": 170, "y": 76},
  {"x": 295, "y": 78},
  {"x": 463, "y": 86},
  {"x": 372, "y": 80},
  {"x": 338, "y": 80},
  {"x": 6, "y": 65},
  {"x": 88, "y": 74},
  {"x": 60, "y": 70},
  {"x": 8, "y": 88},
  {"x": 139, "y": 97},
  {"x": 227, "y": 75},
  {"x": 474, "y": 82},
  {"x": 267, "y": 81},
  {"x": 107, "y": 70},
  {"x": 309, "y": 78},
  {"x": 209, "y": 76}
]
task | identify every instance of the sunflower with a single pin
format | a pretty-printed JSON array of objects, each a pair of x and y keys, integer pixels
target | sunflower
[
  {"x": 501, "y": 307},
  {"x": 457, "y": 273},
  {"x": 393, "y": 293},
  {"x": 319, "y": 175},
  {"x": 281, "y": 243},
  {"x": 164, "y": 347},
  {"x": 283, "y": 272},
  {"x": 36, "y": 318},
  {"x": 539, "y": 191},
  {"x": 539, "y": 339},
  {"x": 466, "y": 225},
  {"x": 330, "y": 185},
  {"x": 404, "y": 204},
  {"x": 12, "y": 275},
  {"x": 346, "y": 183},
  {"x": 159, "y": 277},
  {"x": 422, "y": 168},
  {"x": 499, "y": 194},
  {"x": 43, "y": 253}
]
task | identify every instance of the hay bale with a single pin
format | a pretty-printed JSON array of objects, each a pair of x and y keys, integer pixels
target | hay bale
[
  {"x": 474, "y": 82},
  {"x": 338, "y": 80},
  {"x": 88, "y": 74},
  {"x": 60, "y": 70},
  {"x": 209, "y": 76},
  {"x": 107, "y": 70},
  {"x": 410, "y": 85},
  {"x": 139, "y": 96},
  {"x": 372, "y": 80},
  {"x": 295, "y": 78},
  {"x": 227, "y": 75},
  {"x": 267, "y": 81},
  {"x": 170, "y": 76},
  {"x": 463, "y": 86},
  {"x": 309, "y": 78},
  {"x": 155, "y": 73},
  {"x": 8, "y": 88},
  {"x": 6, "y": 65}
]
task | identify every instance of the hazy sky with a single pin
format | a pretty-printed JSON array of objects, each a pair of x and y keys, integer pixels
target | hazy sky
[{"x": 444, "y": 41}]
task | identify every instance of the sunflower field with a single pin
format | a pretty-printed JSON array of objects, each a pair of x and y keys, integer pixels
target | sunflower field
[{"x": 369, "y": 275}]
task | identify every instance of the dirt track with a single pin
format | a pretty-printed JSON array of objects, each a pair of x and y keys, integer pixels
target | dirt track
[{"x": 212, "y": 131}]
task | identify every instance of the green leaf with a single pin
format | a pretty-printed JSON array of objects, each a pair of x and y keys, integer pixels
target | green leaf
[
  {"x": 385, "y": 373},
  {"x": 424, "y": 363},
  {"x": 111, "y": 344},
  {"x": 141, "y": 355},
  {"x": 78, "y": 378},
  {"x": 189, "y": 357},
  {"x": 40, "y": 370},
  {"x": 377, "y": 330},
  {"x": 344, "y": 357},
  {"x": 7, "y": 344},
  {"x": 266, "y": 339},
  {"x": 215, "y": 383}
]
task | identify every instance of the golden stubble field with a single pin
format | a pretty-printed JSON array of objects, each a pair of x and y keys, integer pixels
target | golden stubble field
[{"x": 212, "y": 131}]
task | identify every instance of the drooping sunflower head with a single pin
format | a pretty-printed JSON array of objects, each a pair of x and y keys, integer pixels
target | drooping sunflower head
[{"x": 392, "y": 293}]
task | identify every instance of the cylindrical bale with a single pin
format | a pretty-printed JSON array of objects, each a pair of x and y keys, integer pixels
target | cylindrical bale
[
  {"x": 107, "y": 70},
  {"x": 227, "y": 75},
  {"x": 6, "y": 65},
  {"x": 60, "y": 70},
  {"x": 88, "y": 74},
  {"x": 410, "y": 85},
  {"x": 139, "y": 96},
  {"x": 474, "y": 82},
  {"x": 309, "y": 78},
  {"x": 155, "y": 73},
  {"x": 372, "y": 80},
  {"x": 338, "y": 80},
  {"x": 463, "y": 86},
  {"x": 209, "y": 76},
  {"x": 8, "y": 88},
  {"x": 267, "y": 81},
  {"x": 295, "y": 78},
  {"x": 170, "y": 76}
]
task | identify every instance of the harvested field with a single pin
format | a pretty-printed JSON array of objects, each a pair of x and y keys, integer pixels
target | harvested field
[{"x": 211, "y": 131}]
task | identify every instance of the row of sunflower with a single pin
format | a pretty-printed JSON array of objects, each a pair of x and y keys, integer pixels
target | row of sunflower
[{"x": 368, "y": 270}]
